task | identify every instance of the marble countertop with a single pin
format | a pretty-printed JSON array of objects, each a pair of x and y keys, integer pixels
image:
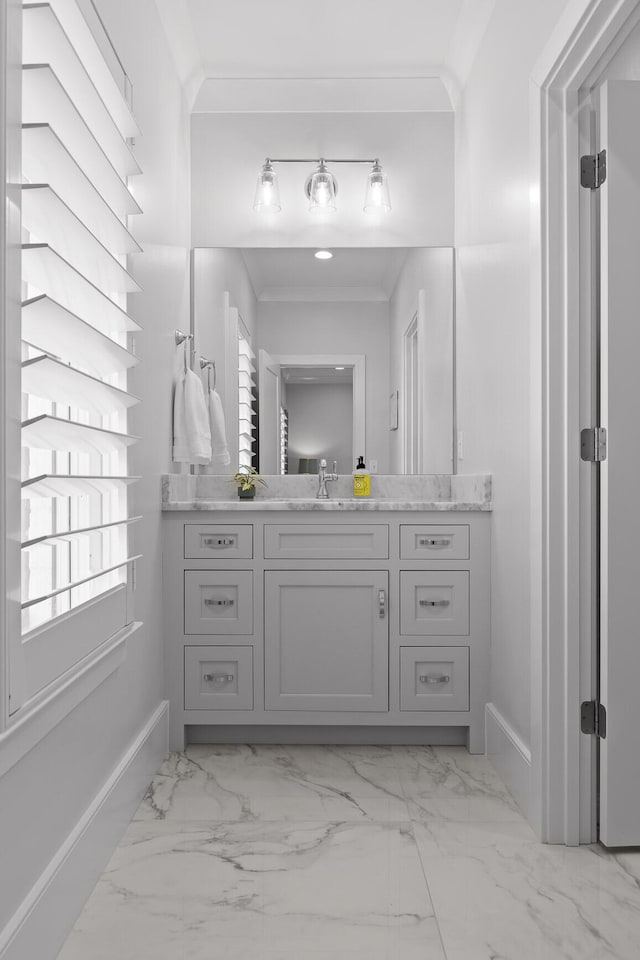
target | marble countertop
[
  {"x": 424, "y": 493},
  {"x": 299, "y": 504}
]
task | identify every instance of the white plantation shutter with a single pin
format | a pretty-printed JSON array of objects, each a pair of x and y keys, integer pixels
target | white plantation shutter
[
  {"x": 75, "y": 332},
  {"x": 284, "y": 442},
  {"x": 246, "y": 396}
]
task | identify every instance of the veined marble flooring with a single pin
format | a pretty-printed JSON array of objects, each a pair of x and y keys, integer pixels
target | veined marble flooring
[{"x": 349, "y": 853}]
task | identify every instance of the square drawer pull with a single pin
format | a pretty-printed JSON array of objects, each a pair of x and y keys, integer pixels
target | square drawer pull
[
  {"x": 219, "y": 541},
  {"x": 429, "y": 678},
  {"x": 218, "y": 603},
  {"x": 219, "y": 677},
  {"x": 434, "y": 603},
  {"x": 434, "y": 541}
]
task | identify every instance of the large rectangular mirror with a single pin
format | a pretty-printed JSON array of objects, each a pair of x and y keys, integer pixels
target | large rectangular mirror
[{"x": 330, "y": 358}]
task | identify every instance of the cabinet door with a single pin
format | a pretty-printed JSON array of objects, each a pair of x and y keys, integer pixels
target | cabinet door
[{"x": 326, "y": 640}]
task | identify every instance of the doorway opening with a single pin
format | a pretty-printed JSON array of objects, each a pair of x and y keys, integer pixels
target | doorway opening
[{"x": 412, "y": 431}]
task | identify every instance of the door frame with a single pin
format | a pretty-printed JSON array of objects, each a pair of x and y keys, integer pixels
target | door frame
[
  {"x": 586, "y": 38},
  {"x": 357, "y": 361}
]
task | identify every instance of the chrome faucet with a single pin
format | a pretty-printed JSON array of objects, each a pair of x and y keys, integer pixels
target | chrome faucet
[{"x": 324, "y": 478}]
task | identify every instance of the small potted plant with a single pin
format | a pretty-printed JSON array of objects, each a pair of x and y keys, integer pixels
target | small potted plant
[{"x": 246, "y": 479}]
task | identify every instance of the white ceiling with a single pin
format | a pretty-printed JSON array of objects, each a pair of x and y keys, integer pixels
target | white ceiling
[
  {"x": 337, "y": 39},
  {"x": 352, "y": 274}
]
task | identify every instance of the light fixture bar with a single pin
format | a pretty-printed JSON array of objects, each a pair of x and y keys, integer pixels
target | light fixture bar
[{"x": 315, "y": 160}]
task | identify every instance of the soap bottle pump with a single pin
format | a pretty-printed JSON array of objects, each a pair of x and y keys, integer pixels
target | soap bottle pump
[{"x": 361, "y": 480}]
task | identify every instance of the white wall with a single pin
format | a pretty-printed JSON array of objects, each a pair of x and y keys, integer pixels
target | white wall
[
  {"x": 338, "y": 328},
  {"x": 494, "y": 217},
  {"x": 430, "y": 271},
  {"x": 321, "y": 423},
  {"x": 43, "y": 796},
  {"x": 626, "y": 63},
  {"x": 416, "y": 150}
]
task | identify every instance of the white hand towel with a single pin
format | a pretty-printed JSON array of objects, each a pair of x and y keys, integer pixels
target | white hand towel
[
  {"x": 191, "y": 433},
  {"x": 219, "y": 450}
]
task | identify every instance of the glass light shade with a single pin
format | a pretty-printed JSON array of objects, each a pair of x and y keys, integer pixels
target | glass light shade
[
  {"x": 321, "y": 188},
  {"x": 377, "y": 196},
  {"x": 267, "y": 199}
]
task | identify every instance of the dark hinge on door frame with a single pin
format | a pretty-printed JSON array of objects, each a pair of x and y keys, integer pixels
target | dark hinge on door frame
[
  {"x": 593, "y": 444},
  {"x": 593, "y": 718},
  {"x": 593, "y": 170}
]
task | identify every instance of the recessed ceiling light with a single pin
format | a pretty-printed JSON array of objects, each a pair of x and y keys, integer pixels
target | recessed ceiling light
[
  {"x": 339, "y": 368},
  {"x": 323, "y": 255}
]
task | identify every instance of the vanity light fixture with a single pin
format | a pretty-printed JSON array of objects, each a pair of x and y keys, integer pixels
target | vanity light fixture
[
  {"x": 323, "y": 255},
  {"x": 321, "y": 187},
  {"x": 377, "y": 195},
  {"x": 267, "y": 198}
]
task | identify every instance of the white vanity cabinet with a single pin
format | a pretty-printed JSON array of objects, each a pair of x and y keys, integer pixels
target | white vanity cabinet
[{"x": 313, "y": 617}]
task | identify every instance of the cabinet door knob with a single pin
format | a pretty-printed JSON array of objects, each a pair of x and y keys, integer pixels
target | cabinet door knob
[
  {"x": 430, "y": 678},
  {"x": 434, "y": 603},
  {"x": 218, "y": 677},
  {"x": 218, "y": 603},
  {"x": 382, "y": 604},
  {"x": 434, "y": 541}
]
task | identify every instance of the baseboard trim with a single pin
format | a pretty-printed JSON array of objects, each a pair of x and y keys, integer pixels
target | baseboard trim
[
  {"x": 510, "y": 756},
  {"x": 355, "y": 736},
  {"x": 41, "y": 923}
]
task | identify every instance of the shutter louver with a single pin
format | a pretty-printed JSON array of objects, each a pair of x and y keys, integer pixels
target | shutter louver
[
  {"x": 75, "y": 325},
  {"x": 246, "y": 396}
]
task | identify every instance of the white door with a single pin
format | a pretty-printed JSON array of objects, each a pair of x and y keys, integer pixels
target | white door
[
  {"x": 269, "y": 413},
  {"x": 620, "y": 472}
]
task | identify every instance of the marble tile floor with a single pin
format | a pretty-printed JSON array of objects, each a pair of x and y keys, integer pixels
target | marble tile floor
[{"x": 349, "y": 853}]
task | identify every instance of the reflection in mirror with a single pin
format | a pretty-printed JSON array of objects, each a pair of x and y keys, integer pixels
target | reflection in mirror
[
  {"x": 352, "y": 355},
  {"x": 308, "y": 411},
  {"x": 318, "y": 404}
]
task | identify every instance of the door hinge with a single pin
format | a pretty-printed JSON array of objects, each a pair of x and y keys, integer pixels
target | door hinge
[
  {"x": 593, "y": 718},
  {"x": 593, "y": 170},
  {"x": 593, "y": 444}
]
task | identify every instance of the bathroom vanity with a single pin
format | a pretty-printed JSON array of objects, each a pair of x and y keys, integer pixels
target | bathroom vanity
[{"x": 345, "y": 612}]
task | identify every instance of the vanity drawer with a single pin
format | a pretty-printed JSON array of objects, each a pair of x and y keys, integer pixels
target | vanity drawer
[
  {"x": 218, "y": 541},
  {"x": 218, "y": 601},
  {"x": 330, "y": 541},
  {"x": 434, "y": 603},
  {"x": 218, "y": 678},
  {"x": 434, "y": 542},
  {"x": 434, "y": 678}
]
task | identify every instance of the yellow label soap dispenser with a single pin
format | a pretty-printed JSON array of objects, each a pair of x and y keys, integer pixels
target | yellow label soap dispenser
[{"x": 361, "y": 480}]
